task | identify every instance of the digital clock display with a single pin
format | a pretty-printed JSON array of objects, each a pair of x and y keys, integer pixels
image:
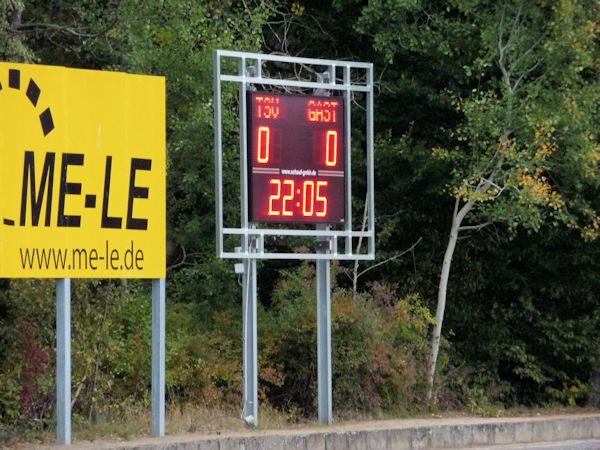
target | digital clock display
[{"x": 296, "y": 158}]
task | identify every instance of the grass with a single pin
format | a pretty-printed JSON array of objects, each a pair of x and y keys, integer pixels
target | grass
[
  {"x": 182, "y": 419},
  {"x": 136, "y": 423}
]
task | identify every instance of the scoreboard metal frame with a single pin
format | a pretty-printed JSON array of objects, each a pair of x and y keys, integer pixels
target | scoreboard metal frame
[{"x": 352, "y": 82}]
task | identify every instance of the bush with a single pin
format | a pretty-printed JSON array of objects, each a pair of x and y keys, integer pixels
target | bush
[
  {"x": 379, "y": 345},
  {"x": 111, "y": 350},
  {"x": 204, "y": 363}
]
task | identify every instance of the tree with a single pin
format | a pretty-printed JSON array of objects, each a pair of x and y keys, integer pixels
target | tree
[
  {"x": 525, "y": 150},
  {"x": 526, "y": 327},
  {"x": 58, "y": 32},
  {"x": 12, "y": 47}
]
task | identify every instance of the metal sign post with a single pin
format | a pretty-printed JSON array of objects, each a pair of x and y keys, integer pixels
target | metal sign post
[
  {"x": 324, "y": 341},
  {"x": 158, "y": 357},
  {"x": 324, "y": 375},
  {"x": 250, "y": 412},
  {"x": 295, "y": 171},
  {"x": 63, "y": 361}
]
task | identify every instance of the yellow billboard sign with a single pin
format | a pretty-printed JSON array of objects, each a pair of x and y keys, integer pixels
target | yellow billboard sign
[{"x": 82, "y": 173}]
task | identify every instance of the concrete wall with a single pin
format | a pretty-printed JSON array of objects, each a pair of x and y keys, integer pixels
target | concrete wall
[{"x": 387, "y": 435}]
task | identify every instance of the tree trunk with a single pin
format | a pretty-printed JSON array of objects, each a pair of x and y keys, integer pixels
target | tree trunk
[
  {"x": 457, "y": 219},
  {"x": 15, "y": 21},
  {"x": 355, "y": 273}
]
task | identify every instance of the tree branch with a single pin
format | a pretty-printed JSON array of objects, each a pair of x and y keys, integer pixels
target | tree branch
[
  {"x": 463, "y": 212},
  {"x": 456, "y": 203},
  {"x": 527, "y": 72},
  {"x": 355, "y": 273},
  {"x": 528, "y": 51},
  {"x": 18, "y": 27},
  {"x": 180, "y": 263},
  {"x": 475, "y": 227},
  {"x": 33, "y": 26},
  {"x": 502, "y": 47},
  {"x": 410, "y": 249},
  {"x": 15, "y": 22},
  {"x": 487, "y": 182}
]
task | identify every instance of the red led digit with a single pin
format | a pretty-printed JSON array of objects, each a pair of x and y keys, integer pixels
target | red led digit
[
  {"x": 331, "y": 148},
  {"x": 287, "y": 197},
  {"x": 275, "y": 196},
  {"x": 263, "y": 140},
  {"x": 322, "y": 199},
  {"x": 308, "y": 198}
]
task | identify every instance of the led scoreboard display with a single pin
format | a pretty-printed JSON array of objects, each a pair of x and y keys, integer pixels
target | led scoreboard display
[{"x": 296, "y": 158}]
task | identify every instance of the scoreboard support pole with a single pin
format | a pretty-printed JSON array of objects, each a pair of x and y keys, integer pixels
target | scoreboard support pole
[
  {"x": 250, "y": 412},
  {"x": 158, "y": 357},
  {"x": 63, "y": 361},
  {"x": 324, "y": 341},
  {"x": 324, "y": 374}
]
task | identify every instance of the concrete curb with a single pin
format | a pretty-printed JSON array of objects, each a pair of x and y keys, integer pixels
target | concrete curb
[{"x": 384, "y": 435}]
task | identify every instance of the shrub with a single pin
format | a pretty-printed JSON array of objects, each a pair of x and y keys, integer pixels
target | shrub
[
  {"x": 111, "y": 350},
  {"x": 379, "y": 346}
]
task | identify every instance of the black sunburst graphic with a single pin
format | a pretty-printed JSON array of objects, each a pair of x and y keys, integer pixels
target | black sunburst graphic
[{"x": 33, "y": 94}]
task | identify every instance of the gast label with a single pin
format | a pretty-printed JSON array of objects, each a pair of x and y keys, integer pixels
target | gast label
[{"x": 82, "y": 173}]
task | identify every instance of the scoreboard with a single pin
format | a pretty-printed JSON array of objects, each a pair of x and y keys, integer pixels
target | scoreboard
[{"x": 296, "y": 158}]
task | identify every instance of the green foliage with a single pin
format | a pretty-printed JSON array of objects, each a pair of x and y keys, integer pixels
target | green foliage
[
  {"x": 535, "y": 321},
  {"x": 521, "y": 147},
  {"x": 12, "y": 45},
  {"x": 63, "y": 33},
  {"x": 524, "y": 78},
  {"x": 26, "y": 370},
  {"x": 111, "y": 336},
  {"x": 204, "y": 365},
  {"x": 379, "y": 345}
]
